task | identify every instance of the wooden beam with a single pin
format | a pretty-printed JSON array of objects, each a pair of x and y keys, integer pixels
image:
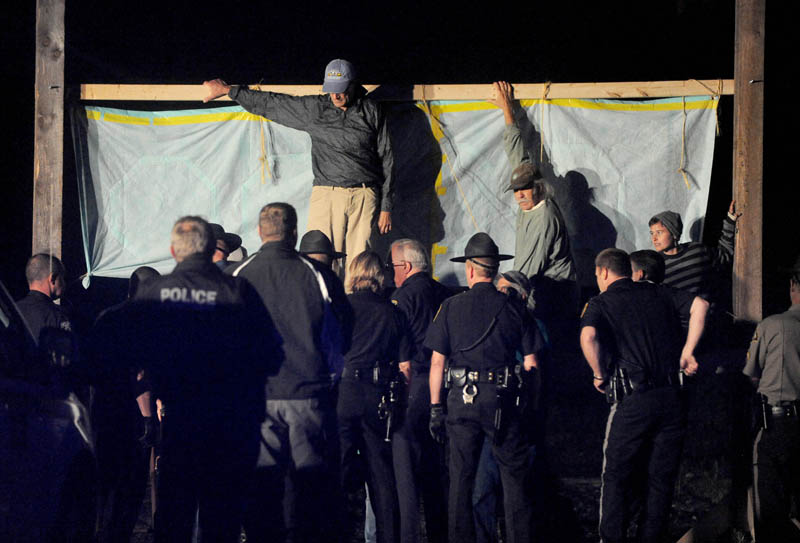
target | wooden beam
[
  {"x": 643, "y": 89},
  {"x": 748, "y": 158},
  {"x": 48, "y": 143}
]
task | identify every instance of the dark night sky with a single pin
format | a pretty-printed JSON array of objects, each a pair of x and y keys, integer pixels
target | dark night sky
[{"x": 398, "y": 42}]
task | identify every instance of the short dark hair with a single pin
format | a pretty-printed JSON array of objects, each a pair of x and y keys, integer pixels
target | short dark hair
[
  {"x": 277, "y": 220},
  {"x": 41, "y": 265},
  {"x": 615, "y": 260},
  {"x": 651, "y": 263}
]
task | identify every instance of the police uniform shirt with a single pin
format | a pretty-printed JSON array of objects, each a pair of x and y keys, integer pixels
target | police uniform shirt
[
  {"x": 774, "y": 356},
  {"x": 461, "y": 329},
  {"x": 41, "y": 312},
  {"x": 380, "y": 334},
  {"x": 639, "y": 325},
  {"x": 419, "y": 298}
]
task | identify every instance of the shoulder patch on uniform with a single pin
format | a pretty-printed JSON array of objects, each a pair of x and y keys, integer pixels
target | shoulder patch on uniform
[
  {"x": 583, "y": 311},
  {"x": 755, "y": 337},
  {"x": 437, "y": 312}
]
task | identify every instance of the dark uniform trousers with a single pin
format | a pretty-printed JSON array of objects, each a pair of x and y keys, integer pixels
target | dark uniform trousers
[
  {"x": 194, "y": 470},
  {"x": 467, "y": 424},
  {"x": 776, "y": 459},
  {"x": 419, "y": 468},
  {"x": 655, "y": 418},
  {"x": 361, "y": 438}
]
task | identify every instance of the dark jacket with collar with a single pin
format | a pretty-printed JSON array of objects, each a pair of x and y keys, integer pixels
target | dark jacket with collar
[
  {"x": 290, "y": 290},
  {"x": 348, "y": 148}
]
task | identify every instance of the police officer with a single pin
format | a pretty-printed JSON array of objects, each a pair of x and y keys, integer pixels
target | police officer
[
  {"x": 206, "y": 343},
  {"x": 225, "y": 243},
  {"x": 637, "y": 326},
  {"x": 773, "y": 362},
  {"x": 369, "y": 391},
  {"x": 418, "y": 460},
  {"x": 299, "y": 434},
  {"x": 46, "y": 281},
  {"x": 480, "y": 333}
]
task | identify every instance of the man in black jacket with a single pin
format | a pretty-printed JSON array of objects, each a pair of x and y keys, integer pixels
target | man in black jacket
[
  {"x": 351, "y": 153},
  {"x": 299, "y": 434},
  {"x": 205, "y": 342}
]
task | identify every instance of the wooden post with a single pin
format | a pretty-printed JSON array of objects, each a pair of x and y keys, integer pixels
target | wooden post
[
  {"x": 48, "y": 146},
  {"x": 748, "y": 161}
]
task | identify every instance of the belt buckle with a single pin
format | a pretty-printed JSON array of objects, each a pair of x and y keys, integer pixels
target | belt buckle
[{"x": 468, "y": 393}]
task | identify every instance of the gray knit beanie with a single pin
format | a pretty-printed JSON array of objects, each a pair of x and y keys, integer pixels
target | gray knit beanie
[{"x": 671, "y": 221}]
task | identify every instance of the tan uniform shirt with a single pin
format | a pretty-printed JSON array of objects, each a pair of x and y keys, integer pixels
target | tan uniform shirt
[{"x": 774, "y": 356}]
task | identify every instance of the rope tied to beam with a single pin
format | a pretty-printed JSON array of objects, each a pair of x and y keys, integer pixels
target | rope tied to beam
[
  {"x": 681, "y": 170},
  {"x": 715, "y": 94},
  {"x": 263, "y": 157},
  {"x": 440, "y": 127},
  {"x": 545, "y": 92}
]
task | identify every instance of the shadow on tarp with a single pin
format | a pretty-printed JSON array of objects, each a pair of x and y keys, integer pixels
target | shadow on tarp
[
  {"x": 417, "y": 213},
  {"x": 590, "y": 229}
]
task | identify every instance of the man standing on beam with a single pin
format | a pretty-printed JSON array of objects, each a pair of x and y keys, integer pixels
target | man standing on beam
[{"x": 351, "y": 154}]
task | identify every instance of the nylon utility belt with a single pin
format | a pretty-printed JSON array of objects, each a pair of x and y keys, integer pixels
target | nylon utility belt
[
  {"x": 381, "y": 374},
  {"x": 505, "y": 377},
  {"x": 621, "y": 385}
]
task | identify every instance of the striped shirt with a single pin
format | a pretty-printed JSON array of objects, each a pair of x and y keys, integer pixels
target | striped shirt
[{"x": 694, "y": 265}]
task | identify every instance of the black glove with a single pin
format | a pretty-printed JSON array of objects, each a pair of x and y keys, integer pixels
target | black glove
[
  {"x": 148, "y": 437},
  {"x": 436, "y": 425}
]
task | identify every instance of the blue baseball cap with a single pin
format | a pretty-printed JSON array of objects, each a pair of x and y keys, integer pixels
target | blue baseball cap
[{"x": 338, "y": 75}]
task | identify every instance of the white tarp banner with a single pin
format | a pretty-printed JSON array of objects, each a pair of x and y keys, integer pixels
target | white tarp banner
[{"x": 610, "y": 165}]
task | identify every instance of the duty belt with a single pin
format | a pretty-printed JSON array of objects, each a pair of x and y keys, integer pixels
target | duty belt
[
  {"x": 380, "y": 374},
  {"x": 784, "y": 409}
]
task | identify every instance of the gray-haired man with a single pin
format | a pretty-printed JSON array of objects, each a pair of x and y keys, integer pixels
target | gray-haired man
[{"x": 417, "y": 471}]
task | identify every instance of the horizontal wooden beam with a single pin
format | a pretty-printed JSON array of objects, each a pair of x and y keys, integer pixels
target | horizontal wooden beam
[{"x": 641, "y": 89}]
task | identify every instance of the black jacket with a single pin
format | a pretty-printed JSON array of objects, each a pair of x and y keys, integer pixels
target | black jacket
[
  {"x": 290, "y": 289},
  {"x": 348, "y": 148}
]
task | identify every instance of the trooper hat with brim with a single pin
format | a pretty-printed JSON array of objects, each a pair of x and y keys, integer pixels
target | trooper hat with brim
[
  {"x": 316, "y": 242},
  {"x": 481, "y": 246},
  {"x": 232, "y": 241}
]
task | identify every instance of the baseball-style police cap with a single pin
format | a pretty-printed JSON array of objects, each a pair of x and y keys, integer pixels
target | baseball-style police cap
[
  {"x": 316, "y": 242},
  {"x": 523, "y": 177},
  {"x": 481, "y": 246},
  {"x": 338, "y": 75}
]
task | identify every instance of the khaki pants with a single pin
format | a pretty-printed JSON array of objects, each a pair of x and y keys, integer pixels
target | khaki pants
[{"x": 346, "y": 216}]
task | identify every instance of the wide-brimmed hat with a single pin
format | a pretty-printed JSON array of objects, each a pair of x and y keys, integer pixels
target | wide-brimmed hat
[
  {"x": 316, "y": 242},
  {"x": 523, "y": 177},
  {"x": 232, "y": 241},
  {"x": 481, "y": 246},
  {"x": 338, "y": 75}
]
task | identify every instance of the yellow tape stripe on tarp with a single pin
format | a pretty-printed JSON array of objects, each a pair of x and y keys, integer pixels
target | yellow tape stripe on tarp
[
  {"x": 96, "y": 115},
  {"x": 576, "y": 103}
]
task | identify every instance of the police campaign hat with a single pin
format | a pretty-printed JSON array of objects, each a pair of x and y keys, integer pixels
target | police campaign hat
[
  {"x": 316, "y": 242},
  {"x": 232, "y": 241},
  {"x": 524, "y": 176},
  {"x": 481, "y": 246}
]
